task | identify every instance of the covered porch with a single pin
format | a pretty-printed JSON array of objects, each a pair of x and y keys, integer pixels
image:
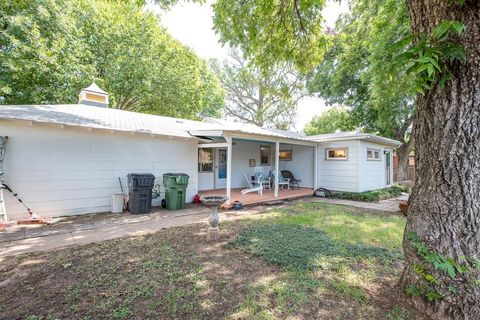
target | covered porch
[
  {"x": 266, "y": 197},
  {"x": 230, "y": 161}
]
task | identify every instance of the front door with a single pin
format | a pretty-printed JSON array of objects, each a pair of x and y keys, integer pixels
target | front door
[
  {"x": 221, "y": 169},
  {"x": 388, "y": 175}
]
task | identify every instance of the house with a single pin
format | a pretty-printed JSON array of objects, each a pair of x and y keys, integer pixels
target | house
[{"x": 66, "y": 159}]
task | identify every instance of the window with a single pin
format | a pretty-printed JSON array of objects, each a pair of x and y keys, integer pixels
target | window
[
  {"x": 373, "y": 154},
  {"x": 285, "y": 155},
  {"x": 205, "y": 160},
  {"x": 265, "y": 155},
  {"x": 336, "y": 154}
]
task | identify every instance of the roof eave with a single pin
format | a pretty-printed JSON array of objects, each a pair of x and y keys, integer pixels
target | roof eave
[{"x": 66, "y": 124}]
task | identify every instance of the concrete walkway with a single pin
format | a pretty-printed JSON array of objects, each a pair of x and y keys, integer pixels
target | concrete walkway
[{"x": 85, "y": 229}]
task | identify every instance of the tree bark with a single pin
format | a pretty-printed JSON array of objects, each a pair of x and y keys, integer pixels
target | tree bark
[
  {"x": 444, "y": 208},
  {"x": 403, "y": 153}
]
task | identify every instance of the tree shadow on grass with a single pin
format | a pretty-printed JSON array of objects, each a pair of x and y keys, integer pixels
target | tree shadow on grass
[{"x": 302, "y": 248}]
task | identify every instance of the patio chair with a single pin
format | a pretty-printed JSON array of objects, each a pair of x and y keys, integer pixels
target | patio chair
[
  {"x": 283, "y": 182},
  {"x": 293, "y": 182},
  {"x": 263, "y": 180},
  {"x": 251, "y": 187}
]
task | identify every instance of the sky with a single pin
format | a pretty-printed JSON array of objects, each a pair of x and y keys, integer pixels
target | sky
[{"x": 192, "y": 25}]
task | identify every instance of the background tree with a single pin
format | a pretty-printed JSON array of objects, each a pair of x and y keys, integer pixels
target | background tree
[
  {"x": 50, "y": 49},
  {"x": 266, "y": 97},
  {"x": 337, "y": 118},
  {"x": 355, "y": 72},
  {"x": 442, "y": 238}
]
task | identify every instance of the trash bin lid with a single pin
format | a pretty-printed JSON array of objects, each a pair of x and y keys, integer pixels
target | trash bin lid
[{"x": 146, "y": 175}]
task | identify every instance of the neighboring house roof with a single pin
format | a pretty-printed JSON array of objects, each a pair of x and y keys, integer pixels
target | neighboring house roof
[
  {"x": 354, "y": 135},
  {"x": 101, "y": 118}
]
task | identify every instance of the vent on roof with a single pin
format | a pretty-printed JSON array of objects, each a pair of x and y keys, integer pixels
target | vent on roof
[{"x": 93, "y": 96}]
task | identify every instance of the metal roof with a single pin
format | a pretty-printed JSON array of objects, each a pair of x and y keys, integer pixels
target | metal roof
[
  {"x": 102, "y": 118},
  {"x": 354, "y": 135},
  {"x": 114, "y": 119},
  {"x": 248, "y": 128}
]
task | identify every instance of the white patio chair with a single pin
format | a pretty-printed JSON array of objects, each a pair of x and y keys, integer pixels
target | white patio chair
[
  {"x": 282, "y": 182},
  {"x": 251, "y": 187},
  {"x": 263, "y": 180}
]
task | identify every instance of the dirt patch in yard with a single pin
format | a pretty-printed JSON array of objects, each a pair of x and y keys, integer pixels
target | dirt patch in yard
[{"x": 177, "y": 273}]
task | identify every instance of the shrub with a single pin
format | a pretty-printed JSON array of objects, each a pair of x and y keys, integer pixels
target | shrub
[{"x": 373, "y": 195}]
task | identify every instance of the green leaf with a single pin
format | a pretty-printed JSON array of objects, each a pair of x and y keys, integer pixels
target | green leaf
[
  {"x": 433, "y": 296},
  {"x": 452, "y": 289},
  {"x": 455, "y": 52},
  {"x": 445, "y": 77},
  {"x": 458, "y": 26},
  {"x": 442, "y": 29},
  {"x": 413, "y": 290}
]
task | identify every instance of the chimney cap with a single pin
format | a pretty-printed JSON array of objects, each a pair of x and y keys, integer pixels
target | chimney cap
[{"x": 94, "y": 88}]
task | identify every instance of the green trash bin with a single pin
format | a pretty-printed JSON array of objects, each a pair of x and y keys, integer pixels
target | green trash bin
[{"x": 175, "y": 190}]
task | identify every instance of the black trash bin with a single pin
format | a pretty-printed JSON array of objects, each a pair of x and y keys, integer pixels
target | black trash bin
[{"x": 140, "y": 187}]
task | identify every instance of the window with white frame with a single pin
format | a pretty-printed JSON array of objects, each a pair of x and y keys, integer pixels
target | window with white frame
[
  {"x": 373, "y": 154},
  {"x": 205, "y": 160},
  {"x": 336, "y": 153}
]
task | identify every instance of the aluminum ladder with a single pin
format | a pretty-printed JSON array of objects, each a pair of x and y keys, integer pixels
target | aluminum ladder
[{"x": 3, "y": 149}]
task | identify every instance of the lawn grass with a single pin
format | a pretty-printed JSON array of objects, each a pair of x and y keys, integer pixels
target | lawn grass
[
  {"x": 342, "y": 253},
  {"x": 373, "y": 195},
  {"x": 306, "y": 261}
]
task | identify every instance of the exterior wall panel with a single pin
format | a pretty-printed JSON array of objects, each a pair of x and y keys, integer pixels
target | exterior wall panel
[{"x": 73, "y": 171}]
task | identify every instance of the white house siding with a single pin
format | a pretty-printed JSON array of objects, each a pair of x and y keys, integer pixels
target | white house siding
[
  {"x": 72, "y": 171},
  {"x": 205, "y": 181},
  {"x": 301, "y": 165},
  {"x": 371, "y": 172},
  {"x": 338, "y": 175}
]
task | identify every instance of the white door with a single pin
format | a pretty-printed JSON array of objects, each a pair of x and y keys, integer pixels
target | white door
[
  {"x": 388, "y": 170},
  {"x": 220, "y": 168}
]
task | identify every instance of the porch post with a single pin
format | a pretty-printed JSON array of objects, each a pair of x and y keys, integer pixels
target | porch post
[
  {"x": 315, "y": 167},
  {"x": 277, "y": 164},
  {"x": 229, "y": 168}
]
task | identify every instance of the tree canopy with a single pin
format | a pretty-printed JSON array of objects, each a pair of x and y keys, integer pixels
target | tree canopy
[
  {"x": 50, "y": 49},
  {"x": 356, "y": 70},
  {"x": 268, "y": 31},
  {"x": 336, "y": 118},
  {"x": 262, "y": 97}
]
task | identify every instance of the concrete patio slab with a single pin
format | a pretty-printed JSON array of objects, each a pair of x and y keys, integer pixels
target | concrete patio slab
[{"x": 38, "y": 244}]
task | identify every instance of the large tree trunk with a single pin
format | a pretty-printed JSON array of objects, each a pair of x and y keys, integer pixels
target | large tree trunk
[
  {"x": 403, "y": 153},
  {"x": 444, "y": 206}
]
